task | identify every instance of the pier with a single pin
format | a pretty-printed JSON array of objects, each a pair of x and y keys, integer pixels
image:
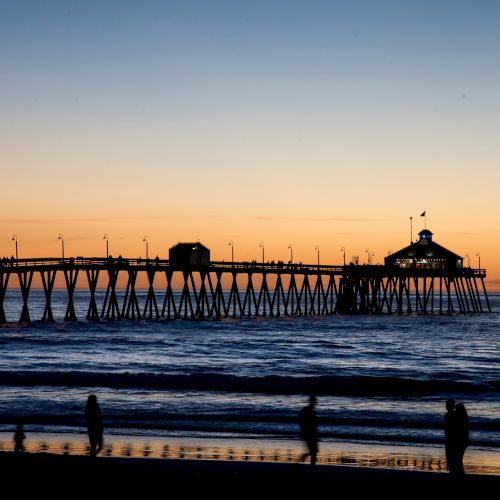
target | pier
[{"x": 267, "y": 289}]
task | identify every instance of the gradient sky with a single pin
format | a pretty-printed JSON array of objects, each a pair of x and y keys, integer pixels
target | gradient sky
[{"x": 311, "y": 122}]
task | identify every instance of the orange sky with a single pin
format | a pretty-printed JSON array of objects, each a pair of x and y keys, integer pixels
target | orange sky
[
  {"x": 379, "y": 235},
  {"x": 326, "y": 126}
]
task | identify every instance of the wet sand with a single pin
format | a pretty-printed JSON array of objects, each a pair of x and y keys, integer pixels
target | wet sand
[
  {"x": 415, "y": 458},
  {"x": 52, "y": 475}
]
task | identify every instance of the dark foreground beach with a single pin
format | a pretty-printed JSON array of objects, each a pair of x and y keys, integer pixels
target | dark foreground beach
[{"x": 51, "y": 475}]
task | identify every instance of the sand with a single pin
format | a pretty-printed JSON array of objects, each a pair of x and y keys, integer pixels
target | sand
[{"x": 70, "y": 476}]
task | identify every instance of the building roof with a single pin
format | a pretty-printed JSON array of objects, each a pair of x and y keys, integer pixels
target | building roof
[
  {"x": 424, "y": 250},
  {"x": 189, "y": 246}
]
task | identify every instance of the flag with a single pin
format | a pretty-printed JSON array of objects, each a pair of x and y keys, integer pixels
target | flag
[{"x": 422, "y": 214}]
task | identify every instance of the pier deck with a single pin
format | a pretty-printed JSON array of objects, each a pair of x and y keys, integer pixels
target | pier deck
[{"x": 255, "y": 289}]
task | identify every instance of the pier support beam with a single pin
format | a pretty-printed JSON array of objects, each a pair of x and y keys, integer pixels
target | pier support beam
[
  {"x": 219, "y": 302},
  {"x": 486, "y": 295},
  {"x": 264, "y": 295},
  {"x": 202, "y": 303},
  {"x": 234, "y": 297},
  {"x": 151, "y": 303},
  {"x": 332, "y": 292},
  {"x": 110, "y": 308},
  {"x": 169, "y": 301},
  {"x": 278, "y": 296},
  {"x": 250, "y": 297},
  {"x": 4, "y": 281},
  {"x": 25, "y": 278},
  {"x": 92, "y": 277},
  {"x": 48, "y": 278},
  {"x": 130, "y": 308},
  {"x": 70, "y": 275},
  {"x": 186, "y": 301}
]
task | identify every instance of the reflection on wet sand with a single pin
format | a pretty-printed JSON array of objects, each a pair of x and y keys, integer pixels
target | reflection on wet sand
[{"x": 157, "y": 449}]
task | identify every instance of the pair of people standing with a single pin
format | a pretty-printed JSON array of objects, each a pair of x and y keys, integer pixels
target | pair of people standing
[{"x": 456, "y": 436}]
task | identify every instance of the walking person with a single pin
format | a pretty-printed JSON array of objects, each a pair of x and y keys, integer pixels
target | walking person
[
  {"x": 309, "y": 429},
  {"x": 19, "y": 437},
  {"x": 94, "y": 425}
]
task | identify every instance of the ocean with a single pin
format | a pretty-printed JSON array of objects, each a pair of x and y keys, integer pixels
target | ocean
[{"x": 234, "y": 387}]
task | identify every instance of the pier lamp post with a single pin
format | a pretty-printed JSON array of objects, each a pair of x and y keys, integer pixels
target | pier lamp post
[
  {"x": 61, "y": 237},
  {"x": 232, "y": 252},
  {"x": 291, "y": 252},
  {"x": 317, "y": 250},
  {"x": 262, "y": 246},
  {"x": 145, "y": 239},
  {"x": 105, "y": 237},
  {"x": 478, "y": 255},
  {"x": 14, "y": 238},
  {"x": 343, "y": 252}
]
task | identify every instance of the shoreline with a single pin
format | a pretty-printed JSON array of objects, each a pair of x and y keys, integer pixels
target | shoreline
[{"x": 255, "y": 450}]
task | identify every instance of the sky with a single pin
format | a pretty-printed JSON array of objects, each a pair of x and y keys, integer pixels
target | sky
[{"x": 310, "y": 124}]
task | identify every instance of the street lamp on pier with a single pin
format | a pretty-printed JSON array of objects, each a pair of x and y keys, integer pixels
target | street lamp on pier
[
  {"x": 14, "y": 238},
  {"x": 478, "y": 255},
  {"x": 317, "y": 249},
  {"x": 145, "y": 239},
  {"x": 291, "y": 252},
  {"x": 105, "y": 237},
  {"x": 232, "y": 252},
  {"x": 61, "y": 237},
  {"x": 262, "y": 246},
  {"x": 343, "y": 253}
]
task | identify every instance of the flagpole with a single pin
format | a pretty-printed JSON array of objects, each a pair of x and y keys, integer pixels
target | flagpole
[
  {"x": 411, "y": 230},
  {"x": 424, "y": 215}
]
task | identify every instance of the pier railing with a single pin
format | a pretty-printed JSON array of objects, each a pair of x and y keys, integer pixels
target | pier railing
[{"x": 237, "y": 289}]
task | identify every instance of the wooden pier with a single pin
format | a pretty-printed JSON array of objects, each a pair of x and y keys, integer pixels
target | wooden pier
[{"x": 255, "y": 289}]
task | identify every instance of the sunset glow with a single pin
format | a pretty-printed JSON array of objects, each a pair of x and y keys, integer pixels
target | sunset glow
[{"x": 323, "y": 124}]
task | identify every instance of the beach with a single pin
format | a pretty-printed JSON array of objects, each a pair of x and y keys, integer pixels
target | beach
[
  {"x": 58, "y": 464},
  {"x": 55, "y": 475}
]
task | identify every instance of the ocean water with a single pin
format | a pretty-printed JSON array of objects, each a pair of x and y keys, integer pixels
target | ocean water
[{"x": 380, "y": 380}]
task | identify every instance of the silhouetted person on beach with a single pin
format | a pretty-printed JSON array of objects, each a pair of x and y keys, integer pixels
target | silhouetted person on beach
[
  {"x": 456, "y": 436},
  {"x": 309, "y": 429},
  {"x": 450, "y": 436},
  {"x": 94, "y": 424},
  {"x": 462, "y": 436},
  {"x": 19, "y": 437}
]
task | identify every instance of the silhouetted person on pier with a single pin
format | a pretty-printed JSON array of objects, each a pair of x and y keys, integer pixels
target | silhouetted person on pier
[
  {"x": 94, "y": 425},
  {"x": 309, "y": 429},
  {"x": 462, "y": 436},
  {"x": 19, "y": 437}
]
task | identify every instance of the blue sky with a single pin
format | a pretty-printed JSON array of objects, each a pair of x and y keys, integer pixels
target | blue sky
[{"x": 253, "y": 106}]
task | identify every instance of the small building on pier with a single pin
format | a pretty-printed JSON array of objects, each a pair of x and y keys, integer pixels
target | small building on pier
[
  {"x": 185, "y": 255},
  {"x": 425, "y": 253}
]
